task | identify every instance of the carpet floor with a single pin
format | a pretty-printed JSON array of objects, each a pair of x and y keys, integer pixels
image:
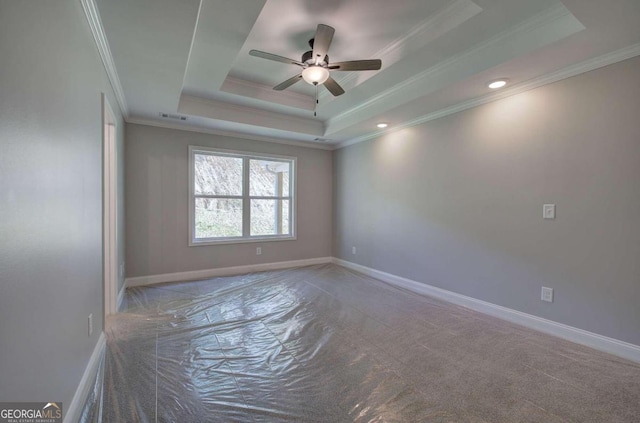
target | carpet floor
[{"x": 325, "y": 344}]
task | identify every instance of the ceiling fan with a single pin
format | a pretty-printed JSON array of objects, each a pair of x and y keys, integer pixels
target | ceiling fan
[{"x": 315, "y": 63}]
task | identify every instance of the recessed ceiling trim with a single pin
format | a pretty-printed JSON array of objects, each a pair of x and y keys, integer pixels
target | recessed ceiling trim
[
  {"x": 97, "y": 30},
  {"x": 220, "y": 32},
  {"x": 263, "y": 92},
  {"x": 212, "y": 109},
  {"x": 443, "y": 21},
  {"x": 552, "y": 24},
  {"x": 564, "y": 73},
  {"x": 211, "y": 131},
  {"x": 191, "y": 46}
]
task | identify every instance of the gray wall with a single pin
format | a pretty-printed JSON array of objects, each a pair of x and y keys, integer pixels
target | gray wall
[
  {"x": 457, "y": 202},
  {"x": 157, "y": 201},
  {"x": 51, "y": 79}
]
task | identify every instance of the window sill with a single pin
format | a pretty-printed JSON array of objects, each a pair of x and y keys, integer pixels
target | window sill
[{"x": 262, "y": 239}]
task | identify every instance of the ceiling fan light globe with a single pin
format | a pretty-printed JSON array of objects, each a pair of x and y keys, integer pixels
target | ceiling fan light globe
[{"x": 315, "y": 75}]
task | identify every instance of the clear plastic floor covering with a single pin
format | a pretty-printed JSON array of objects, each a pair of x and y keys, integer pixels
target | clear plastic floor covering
[{"x": 324, "y": 344}]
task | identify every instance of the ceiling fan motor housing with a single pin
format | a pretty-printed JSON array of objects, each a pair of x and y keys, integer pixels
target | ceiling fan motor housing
[
  {"x": 315, "y": 63},
  {"x": 307, "y": 58}
]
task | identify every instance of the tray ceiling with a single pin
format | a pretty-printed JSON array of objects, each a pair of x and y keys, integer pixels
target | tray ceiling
[{"x": 191, "y": 58}]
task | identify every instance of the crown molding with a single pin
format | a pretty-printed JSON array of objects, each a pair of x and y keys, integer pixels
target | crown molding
[
  {"x": 463, "y": 60},
  {"x": 549, "y": 78},
  {"x": 97, "y": 30},
  {"x": 211, "y": 131}
]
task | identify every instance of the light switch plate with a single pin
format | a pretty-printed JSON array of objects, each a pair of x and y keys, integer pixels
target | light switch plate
[
  {"x": 547, "y": 294},
  {"x": 549, "y": 211}
]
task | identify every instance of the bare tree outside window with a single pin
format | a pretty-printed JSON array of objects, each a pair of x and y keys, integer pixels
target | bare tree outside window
[{"x": 240, "y": 196}]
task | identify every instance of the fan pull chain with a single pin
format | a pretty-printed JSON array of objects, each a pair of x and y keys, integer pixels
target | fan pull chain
[{"x": 315, "y": 108}]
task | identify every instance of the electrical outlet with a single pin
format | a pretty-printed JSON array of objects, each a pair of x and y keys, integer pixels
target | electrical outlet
[
  {"x": 547, "y": 294},
  {"x": 258, "y": 251},
  {"x": 549, "y": 211},
  {"x": 122, "y": 269},
  {"x": 353, "y": 250},
  {"x": 90, "y": 322}
]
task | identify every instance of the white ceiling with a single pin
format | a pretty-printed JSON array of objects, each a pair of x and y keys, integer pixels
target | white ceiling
[{"x": 191, "y": 57}]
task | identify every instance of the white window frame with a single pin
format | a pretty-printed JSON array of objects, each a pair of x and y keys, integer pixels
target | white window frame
[{"x": 246, "y": 197}]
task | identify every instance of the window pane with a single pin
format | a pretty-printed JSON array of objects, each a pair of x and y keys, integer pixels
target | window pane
[
  {"x": 218, "y": 217},
  {"x": 285, "y": 217},
  {"x": 269, "y": 178},
  {"x": 269, "y": 217},
  {"x": 217, "y": 175}
]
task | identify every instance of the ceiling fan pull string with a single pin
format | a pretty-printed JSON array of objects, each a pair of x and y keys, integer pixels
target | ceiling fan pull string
[{"x": 315, "y": 107}]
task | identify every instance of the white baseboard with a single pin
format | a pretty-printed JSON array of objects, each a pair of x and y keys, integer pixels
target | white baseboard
[
  {"x": 579, "y": 336},
  {"x": 86, "y": 383},
  {"x": 223, "y": 271}
]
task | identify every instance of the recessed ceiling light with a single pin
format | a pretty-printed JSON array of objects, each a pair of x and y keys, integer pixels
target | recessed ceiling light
[
  {"x": 382, "y": 125},
  {"x": 498, "y": 83}
]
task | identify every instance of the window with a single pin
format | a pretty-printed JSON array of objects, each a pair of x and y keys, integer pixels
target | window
[{"x": 240, "y": 197}]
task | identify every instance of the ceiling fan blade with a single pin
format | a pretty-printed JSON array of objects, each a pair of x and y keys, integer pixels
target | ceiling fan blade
[
  {"x": 333, "y": 87},
  {"x": 321, "y": 42},
  {"x": 289, "y": 82},
  {"x": 357, "y": 65},
  {"x": 274, "y": 57}
]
